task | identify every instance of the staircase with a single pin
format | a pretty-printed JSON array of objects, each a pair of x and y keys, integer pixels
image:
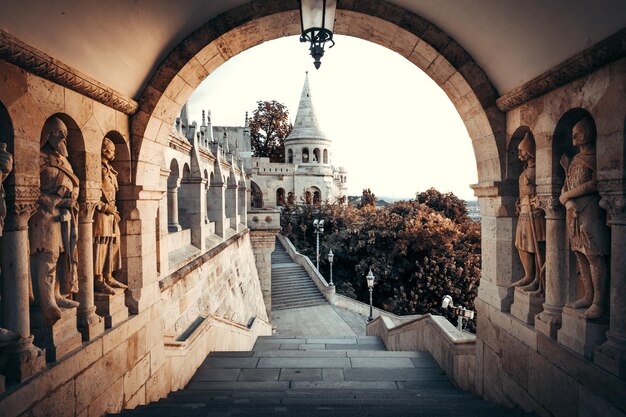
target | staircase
[
  {"x": 292, "y": 287},
  {"x": 330, "y": 376}
]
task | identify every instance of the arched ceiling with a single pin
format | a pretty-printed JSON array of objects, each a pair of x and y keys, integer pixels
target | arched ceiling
[{"x": 120, "y": 43}]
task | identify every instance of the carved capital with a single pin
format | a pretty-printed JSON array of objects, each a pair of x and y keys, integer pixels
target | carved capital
[
  {"x": 21, "y": 205},
  {"x": 551, "y": 205},
  {"x": 613, "y": 193},
  {"x": 615, "y": 206},
  {"x": 87, "y": 210},
  {"x": 18, "y": 214}
]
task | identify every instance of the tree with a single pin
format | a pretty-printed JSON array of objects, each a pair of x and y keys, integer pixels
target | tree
[
  {"x": 368, "y": 198},
  {"x": 448, "y": 204},
  {"x": 417, "y": 253},
  {"x": 269, "y": 126}
]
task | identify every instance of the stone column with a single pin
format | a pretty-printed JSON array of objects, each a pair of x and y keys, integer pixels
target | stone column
[
  {"x": 195, "y": 210},
  {"x": 217, "y": 207},
  {"x": 264, "y": 225},
  {"x": 90, "y": 324},
  {"x": 549, "y": 320},
  {"x": 612, "y": 354},
  {"x": 172, "y": 206},
  {"x": 23, "y": 358},
  {"x": 243, "y": 198},
  {"x": 232, "y": 203},
  {"x": 500, "y": 261}
]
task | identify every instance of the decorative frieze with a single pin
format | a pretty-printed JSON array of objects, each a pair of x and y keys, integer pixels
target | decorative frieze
[
  {"x": 36, "y": 62},
  {"x": 583, "y": 63}
]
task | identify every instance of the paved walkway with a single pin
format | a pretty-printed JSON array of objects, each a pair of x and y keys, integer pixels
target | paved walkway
[{"x": 322, "y": 320}]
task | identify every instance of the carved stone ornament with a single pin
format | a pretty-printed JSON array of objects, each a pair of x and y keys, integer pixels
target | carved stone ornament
[
  {"x": 579, "y": 65},
  {"x": 34, "y": 61},
  {"x": 615, "y": 206}
]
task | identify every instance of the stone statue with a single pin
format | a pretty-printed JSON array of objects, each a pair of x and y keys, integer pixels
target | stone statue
[
  {"x": 53, "y": 228},
  {"x": 6, "y": 165},
  {"x": 531, "y": 225},
  {"x": 586, "y": 222},
  {"x": 106, "y": 232}
]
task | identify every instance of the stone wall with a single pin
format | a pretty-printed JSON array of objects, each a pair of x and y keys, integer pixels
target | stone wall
[
  {"x": 139, "y": 360},
  {"x": 541, "y": 355}
]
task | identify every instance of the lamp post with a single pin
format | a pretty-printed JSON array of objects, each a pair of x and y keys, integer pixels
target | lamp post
[
  {"x": 331, "y": 256},
  {"x": 317, "y": 19},
  {"x": 461, "y": 312},
  {"x": 370, "y": 286},
  {"x": 319, "y": 228}
]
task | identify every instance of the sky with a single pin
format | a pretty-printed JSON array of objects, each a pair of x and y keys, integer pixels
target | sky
[{"x": 392, "y": 127}]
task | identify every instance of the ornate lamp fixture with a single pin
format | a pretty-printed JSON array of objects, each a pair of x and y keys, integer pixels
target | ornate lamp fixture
[
  {"x": 370, "y": 287},
  {"x": 317, "y": 18}
]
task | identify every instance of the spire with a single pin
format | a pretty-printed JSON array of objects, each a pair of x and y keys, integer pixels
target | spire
[
  {"x": 203, "y": 118},
  {"x": 184, "y": 117},
  {"x": 306, "y": 125}
]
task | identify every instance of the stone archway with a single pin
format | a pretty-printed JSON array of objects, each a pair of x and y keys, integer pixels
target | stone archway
[
  {"x": 393, "y": 27},
  {"x": 416, "y": 39}
]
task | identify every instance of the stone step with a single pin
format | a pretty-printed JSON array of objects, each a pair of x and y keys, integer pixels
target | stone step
[
  {"x": 287, "y": 306},
  {"x": 294, "y": 286}
]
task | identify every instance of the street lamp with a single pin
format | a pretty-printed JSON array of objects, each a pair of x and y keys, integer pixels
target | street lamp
[
  {"x": 461, "y": 312},
  {"x": 317, "y": 18},
  {"x": 319, "y": 228},
  {"x": 331, "y": 256},
  {"x": 370, "y": 286}
]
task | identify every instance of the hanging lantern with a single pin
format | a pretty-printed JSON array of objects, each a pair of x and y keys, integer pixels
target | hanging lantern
[{"x": 317, "y": 19}]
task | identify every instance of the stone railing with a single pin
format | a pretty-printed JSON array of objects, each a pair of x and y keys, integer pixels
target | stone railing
[{"x": 454, "y": 351}]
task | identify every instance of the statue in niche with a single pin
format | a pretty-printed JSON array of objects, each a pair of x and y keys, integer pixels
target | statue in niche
[
  {"x": 586, "y": 223},
  {"x": 6, "y": 165},
  {"x": 53, "y": 229},
  {"x": 531, "y": 225},
  {"x": 106, "y": 231}
]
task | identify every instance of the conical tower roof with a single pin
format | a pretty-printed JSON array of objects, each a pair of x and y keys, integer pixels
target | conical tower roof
[{"x": 306, "y": 125}]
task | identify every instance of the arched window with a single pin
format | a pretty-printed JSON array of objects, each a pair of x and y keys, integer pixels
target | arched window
[
  {"x": 256, "y": 196},
  {"x": 317, "y": 197},
  {"x": 290, "y": 156},
  {"x": 305, "y": 155},
  {"x": 325, "y": 156},
  {"x": 316, "y": 155},
  {"x": 280, "y": 197}
]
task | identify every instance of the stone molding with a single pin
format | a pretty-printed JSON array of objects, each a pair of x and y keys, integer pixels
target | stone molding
[
  {"x": 36, "y": 62},
  {"x": 581, "y": 64},
  {"x": 21, "y": 205}
]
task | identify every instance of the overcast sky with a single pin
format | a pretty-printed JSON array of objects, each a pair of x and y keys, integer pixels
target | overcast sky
[{"x": 392, "y": 127}]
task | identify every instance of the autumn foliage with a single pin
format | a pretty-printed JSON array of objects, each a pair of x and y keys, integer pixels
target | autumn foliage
[{"x": 418, "y": 250}]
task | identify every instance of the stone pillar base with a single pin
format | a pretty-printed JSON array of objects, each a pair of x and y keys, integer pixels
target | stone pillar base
[
  {"x": 525, "y": 306},
  {"x": 90, "y": 325},
  {"x": 579, "y": 334},
  {"x": 611, "y": 356},
  {"x": 59, "y": 339},
  {"x": 22, "y": 359},
  {"x": 112, "y": 308},
  {"x": 548, "y": 322}
]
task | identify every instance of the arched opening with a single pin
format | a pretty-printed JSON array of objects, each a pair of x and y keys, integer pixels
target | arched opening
[
  {"x": 280, "y": 197},
  {"x": 289, "y": 156},
  {"x": 325, "y": 156},
  {"x": 316, "y": 155},
  {"x": 256, "y": 196},
  {"x": 464, "y": 82},
  {"x": 186, "y": 198}
]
